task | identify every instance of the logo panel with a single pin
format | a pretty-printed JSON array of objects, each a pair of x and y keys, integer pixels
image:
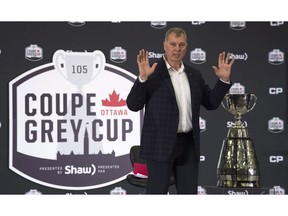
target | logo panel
[{"x": 70, "y": 127}]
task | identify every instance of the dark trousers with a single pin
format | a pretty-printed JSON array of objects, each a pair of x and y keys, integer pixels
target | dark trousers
[{"x": 183, "y": 164}]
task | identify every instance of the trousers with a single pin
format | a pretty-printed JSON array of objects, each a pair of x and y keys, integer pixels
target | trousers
[{"x": 182, "y": 163}]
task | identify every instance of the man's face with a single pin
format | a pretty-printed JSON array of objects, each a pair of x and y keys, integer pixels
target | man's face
[{"x": 175, "y": 48}]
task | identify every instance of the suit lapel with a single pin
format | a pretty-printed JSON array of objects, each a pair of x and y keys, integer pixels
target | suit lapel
[
  {"x": 193, "y": 86},
  {"x": 165, "y": 74}
]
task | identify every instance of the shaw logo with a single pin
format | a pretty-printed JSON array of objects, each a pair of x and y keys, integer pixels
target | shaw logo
[
  {"x": 70, "y": 169},
  {"x": 70, "y": 127},
  {"x": 232, "y": 192},
  {"x": 231, "y": 124},
  {"x": 243, "y": 56},
  {"x": 155, "y": 55}
]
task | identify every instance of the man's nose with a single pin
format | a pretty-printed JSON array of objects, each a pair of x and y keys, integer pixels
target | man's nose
[{"x": 178, "y": 47}]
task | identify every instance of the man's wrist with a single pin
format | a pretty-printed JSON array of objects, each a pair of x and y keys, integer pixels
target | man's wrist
[
  {"x": 141, "y": 79},
  {"x": 225, "y": 81}
]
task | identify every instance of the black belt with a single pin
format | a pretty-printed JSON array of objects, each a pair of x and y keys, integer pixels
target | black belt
[{"x": 181, "y": 134}]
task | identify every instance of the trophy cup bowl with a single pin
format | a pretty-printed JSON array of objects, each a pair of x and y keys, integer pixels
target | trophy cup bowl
[{"x": 239, "y": 104}]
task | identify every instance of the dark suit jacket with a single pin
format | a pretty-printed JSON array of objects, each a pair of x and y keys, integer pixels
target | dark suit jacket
[{"x": 161, "y": 118}]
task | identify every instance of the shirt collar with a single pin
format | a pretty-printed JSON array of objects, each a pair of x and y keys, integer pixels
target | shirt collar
[{"x": 170, "y": 68}]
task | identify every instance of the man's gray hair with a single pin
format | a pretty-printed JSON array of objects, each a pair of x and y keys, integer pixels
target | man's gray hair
[{"x": 177, "y": 31}]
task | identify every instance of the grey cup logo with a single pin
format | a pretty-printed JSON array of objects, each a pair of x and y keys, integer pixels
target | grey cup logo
[
  {"x": 198, "y": 56},
  {"x": 201, "y": 190},
  {"x": 76, "y": 23},
  {"x": 70, "y": 127},
  {"x": 33, "y": 52},
  {"x": 237, "y": 88},
  {"x": 118, "y": 191},
  {"x": 158, "y": 24},
  {"x": 276, "y": 125},
  {"x": 33, "y": 192},
  {"x": 278, "y": 190},
  {"x": 237, "y": 25},
  {"x": 118, "y": 55},
  {"x": 276, "y": 57}
]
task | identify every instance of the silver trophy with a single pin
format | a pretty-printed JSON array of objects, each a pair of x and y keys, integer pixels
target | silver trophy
[
  {"x": 238, "y": 164},
  {"x": 79, "y": 68}
]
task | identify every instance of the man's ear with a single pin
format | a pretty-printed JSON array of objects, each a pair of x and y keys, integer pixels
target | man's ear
[{"x": 164, "y": 46}]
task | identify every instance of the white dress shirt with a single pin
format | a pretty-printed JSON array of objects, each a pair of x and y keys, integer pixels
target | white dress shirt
[{"x": 183, "y": 96}]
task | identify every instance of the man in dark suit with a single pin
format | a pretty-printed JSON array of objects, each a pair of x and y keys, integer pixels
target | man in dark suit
[{"x": 171, "y": 93}]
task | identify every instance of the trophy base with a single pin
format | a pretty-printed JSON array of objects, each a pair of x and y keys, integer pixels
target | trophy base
[
  {"x": 238, "y": 165},
  {"x": 237, "y": 190},
  {"x": 238, "y": 184}
]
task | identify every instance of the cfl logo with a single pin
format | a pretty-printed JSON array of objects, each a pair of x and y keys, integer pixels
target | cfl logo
[
  {"x": 274, "y": 91},
  {"x": 276, "y": 159}
]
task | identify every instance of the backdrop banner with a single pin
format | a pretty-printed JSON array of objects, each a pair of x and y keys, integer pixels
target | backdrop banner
[{"x": 64, "y": 124}]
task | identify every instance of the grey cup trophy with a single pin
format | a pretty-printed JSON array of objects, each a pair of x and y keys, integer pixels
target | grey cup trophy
[{"x": 238, "y": 164}]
